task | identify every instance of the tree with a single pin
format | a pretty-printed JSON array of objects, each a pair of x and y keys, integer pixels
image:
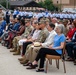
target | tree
[
  {"x": 48, "y": 4},
  {"x": 4, "y": 3}
]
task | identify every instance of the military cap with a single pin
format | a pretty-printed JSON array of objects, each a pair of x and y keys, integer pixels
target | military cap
[
  {"x": 43, "y": 18},
  {"x": 47, "y": 20},
  {"x": 42, "y": 22}
]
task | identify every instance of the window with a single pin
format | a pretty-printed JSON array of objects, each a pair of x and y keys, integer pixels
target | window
[{"x": 57, "y": 2}]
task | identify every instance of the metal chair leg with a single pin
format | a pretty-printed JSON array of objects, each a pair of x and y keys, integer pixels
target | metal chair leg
[
  {"x": 64, "y": 66},
  {"x": 57, "y": 63},
  {"x": 46, "y": 65},
  {"x": 50, "y": 61}
]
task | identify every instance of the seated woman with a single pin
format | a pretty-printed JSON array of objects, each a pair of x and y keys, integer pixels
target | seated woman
[
  {"x": 54, "y": 49},
  {"x": 71, "y": 31}
]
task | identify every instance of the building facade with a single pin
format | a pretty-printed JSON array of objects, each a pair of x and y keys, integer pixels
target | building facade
[
  {"x": 60, "y": 3},
  {"x": 65, "y": 3},
  {"x": 21, "y": 4}
]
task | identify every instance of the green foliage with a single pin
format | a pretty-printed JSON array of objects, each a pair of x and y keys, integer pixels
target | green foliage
[
  {"x": 41, "y": 4},
  {"x": 48, "y": 4},
  {"x": 4, "y": 3}
]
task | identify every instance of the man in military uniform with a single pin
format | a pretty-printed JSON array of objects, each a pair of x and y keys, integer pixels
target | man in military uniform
[
  {"x": 1, "y": 15},
  {"x": 28, "y": 30},
  {"x": 42, "y": 36}
]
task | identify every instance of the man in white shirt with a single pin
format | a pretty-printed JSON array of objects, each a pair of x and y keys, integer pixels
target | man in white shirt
[
  {"x": 30, "y": 14},
  {"x": 47, "y": 14},
  {"x": 36, "y": 15}
]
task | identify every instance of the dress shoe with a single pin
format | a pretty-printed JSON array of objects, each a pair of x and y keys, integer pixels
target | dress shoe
[
  {"x": 40, "y": 70},
  {"x": 27, "y": 64},
  {"x": 69, "y": 59},
  {"x": 24, "y": 61},
  {"x": 32, "y": 66}
]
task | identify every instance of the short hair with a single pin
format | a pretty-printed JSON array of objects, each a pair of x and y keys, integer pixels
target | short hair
[
  {"x": 52, "y": 25},
  {"x": 60, "y": 26}
]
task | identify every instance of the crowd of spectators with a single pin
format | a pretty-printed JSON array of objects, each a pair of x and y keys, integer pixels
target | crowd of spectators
[{"x": 33, "y": 35}]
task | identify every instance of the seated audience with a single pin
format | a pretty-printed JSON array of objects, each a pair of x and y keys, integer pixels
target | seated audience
[
  {"x": 12, "y": 33},
  {"x": 32, "y": 52},
  {"x": 33, "y": 35},
  {"x": 5, "y": 34},
  {"x": 28, "y": 30},
  {"x": 41, "y": 38},
  {"x": 70, "y": 47},
  {"x": 54, "y": 49}
]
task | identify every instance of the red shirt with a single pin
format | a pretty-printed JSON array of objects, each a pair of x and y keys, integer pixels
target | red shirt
[{"x": 71, "y": 33}]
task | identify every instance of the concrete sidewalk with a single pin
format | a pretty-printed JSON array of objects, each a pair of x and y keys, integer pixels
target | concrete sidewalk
[{"x": 9, "y": 65}]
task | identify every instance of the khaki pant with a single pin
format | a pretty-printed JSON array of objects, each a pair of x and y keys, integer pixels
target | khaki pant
[
  {"x": 31, "y": 52},
  {"x": 15, "y": 41}
]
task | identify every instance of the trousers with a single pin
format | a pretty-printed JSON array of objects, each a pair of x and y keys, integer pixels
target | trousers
[
  {"x": 25, "y": 44},
  {"x": 70, "y": 50},
  {"x": 42, "y": 54}
]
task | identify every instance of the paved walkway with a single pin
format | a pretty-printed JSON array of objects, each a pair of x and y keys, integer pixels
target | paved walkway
[{"x": 9, "y": 65}]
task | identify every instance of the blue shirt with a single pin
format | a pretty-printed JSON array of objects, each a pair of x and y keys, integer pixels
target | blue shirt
[
  {"x": 3, "y": 25},
  {"x": 58, "y": 39},
  {"x": 1, "y": 32},
  {"x": 16, "y": 26},
  {"x": 16, "y": 12}
]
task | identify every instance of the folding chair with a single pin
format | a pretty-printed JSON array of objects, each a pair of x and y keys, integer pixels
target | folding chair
[{"x": 57, "y": 58}]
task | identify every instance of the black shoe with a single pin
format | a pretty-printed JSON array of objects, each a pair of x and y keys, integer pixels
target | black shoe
[
  {"x": 69, "y": 59},
  {"x": 40, "y": 70},
  {"x": 27, "y": 64},
  {"x": 32, "y": 66}
]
